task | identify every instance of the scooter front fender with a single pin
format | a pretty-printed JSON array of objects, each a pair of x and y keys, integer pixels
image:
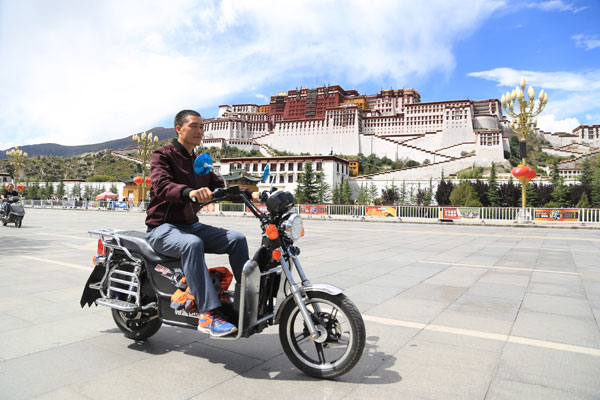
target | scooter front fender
[{"x": 317, "y": 287}]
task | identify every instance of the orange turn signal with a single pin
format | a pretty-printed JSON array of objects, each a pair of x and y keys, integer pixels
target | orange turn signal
[
  {"x": 276, "y": 254},
  {"x": 100, "y": 247},
  {"x": 302, "y": 235},
  {"x": 272, "y": 232}
]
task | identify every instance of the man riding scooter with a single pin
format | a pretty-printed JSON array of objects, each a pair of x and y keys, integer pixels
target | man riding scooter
[
  {"x": 173, "y": 226},
  {"x": 8, "y": 192}
]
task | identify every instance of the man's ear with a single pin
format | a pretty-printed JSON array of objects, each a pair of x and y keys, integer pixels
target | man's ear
[{"x": 177, "y": 129}]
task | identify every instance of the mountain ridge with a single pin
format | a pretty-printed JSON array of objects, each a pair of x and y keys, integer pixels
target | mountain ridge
[{"x": 54, "y": 149}]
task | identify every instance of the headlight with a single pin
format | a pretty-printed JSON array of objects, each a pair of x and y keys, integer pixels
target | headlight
[{"x": 293, "y": 227}]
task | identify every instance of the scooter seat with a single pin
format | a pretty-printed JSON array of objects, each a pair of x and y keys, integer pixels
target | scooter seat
[{"x": 136, "y": 241}]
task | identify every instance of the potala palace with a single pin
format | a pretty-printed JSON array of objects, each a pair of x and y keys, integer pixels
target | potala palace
[{"x": 446, "y": 136}]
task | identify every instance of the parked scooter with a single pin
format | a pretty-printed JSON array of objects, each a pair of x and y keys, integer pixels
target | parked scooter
[
  {"x": 16, "y": 212},
  {"x": 321, "y": 331}
]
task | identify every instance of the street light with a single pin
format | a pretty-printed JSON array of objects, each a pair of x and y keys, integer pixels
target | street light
[
  {"x": 145, "y": 145},
  {"x": 16, "y": 158},
  {"x": 523, "y": 111}
]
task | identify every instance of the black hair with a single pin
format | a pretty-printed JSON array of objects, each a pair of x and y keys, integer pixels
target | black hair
[{"x": 182, "y": 115}]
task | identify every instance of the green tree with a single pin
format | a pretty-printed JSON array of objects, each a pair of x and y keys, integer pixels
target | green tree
[
  {"x": 60, "y": 190},
  {"x": 442, "y": 194},
  {"x": 428, "y": 193},
  {"x": 492, "y": 194},
  {"x": 586, "y": 176},
  {"x": 336, "y": 194},
  {"x": 462, "y": 194},
  {"x": 87, "y": 192},
  {"x": 595, "y": 190},
  {"x": 530, "y": 196},
  {"x": 323, "y": 189},
  {"x": 76, "y": 191},
  {"x": 346, "y": 192},
  {"x": 373, "y": 192},
  {"x": 390, "y": 195},
  {"x": 584, "y": 202},
  {"x": 306, "y": 190},
  {"x": 363, "y": 194},
  {"x": 48, "y": 190},
  {"x": 113, "y": 189},
  {"x": 403, "y": 192}
]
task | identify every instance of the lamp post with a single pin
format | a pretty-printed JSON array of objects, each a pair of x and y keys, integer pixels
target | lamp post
[
  {"x": 523, "y": 111},
  {"x": 16, "y": 157},
  {"x": 145, "y": 145}
]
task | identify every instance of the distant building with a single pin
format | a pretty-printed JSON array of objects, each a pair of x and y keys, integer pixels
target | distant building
[
  {"x": 285, "y": 171},
  {"x": 392, "y": 123}
]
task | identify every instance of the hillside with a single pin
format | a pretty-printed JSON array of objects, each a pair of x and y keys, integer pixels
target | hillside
[{"x": 53, "y": 149}]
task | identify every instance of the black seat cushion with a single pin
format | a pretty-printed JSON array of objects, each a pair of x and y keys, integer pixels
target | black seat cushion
[{"x": 136, "y": 241}]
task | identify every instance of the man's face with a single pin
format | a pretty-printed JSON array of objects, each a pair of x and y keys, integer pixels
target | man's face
[
  {"x": 11, "y": 188},
  {"x": 191, "y": 132}
]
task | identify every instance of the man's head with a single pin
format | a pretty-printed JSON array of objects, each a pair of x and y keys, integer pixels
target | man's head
[
  {"x": 10, "y": 187},
  {"x": 189, "y": 128}
]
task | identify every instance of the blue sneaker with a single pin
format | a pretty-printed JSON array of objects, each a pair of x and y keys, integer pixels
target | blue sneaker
[{"x": 213, "y": 323}]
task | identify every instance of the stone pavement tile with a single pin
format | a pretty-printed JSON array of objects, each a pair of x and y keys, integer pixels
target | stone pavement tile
[
  {"x": 505, "y": 389},
  {"x": 506, "y": 277},
  {"x": 49, "y": 311},
  {"x": 458, "y": 340},
  {"x": 28, "y": 377},
  {"x": 573, "y": 373},
  {"x": 481, "y": 259},
  {"x": 391, "y": 280},
  {"x": 371, "y": 293},
  {"x": 433, "y": 370},
  {"x": 497, "y": 290},
  {"x": 562, "y": 279},
  {"x": 407, "y": 309},
  {"x": 565, "y": 329},
  {"x": 457, "y": 276},
  {"x": 9, "y": 322},
  {"x": 24, "y": 341},
  {"x": 195, "y": 368},
  {"x": 420, "y": 270},
  {"x": 263, "y": 346},
  {"x": 373, "y": 370},
  {"x": 342, "y": 280},
  {"x": 61, "y": 394},
  {"x": 431, "y": 291},
  {"x": 558, "y": 289},
  {"x": 485, "y": 314},
  {"x": 553, "y": 304}
]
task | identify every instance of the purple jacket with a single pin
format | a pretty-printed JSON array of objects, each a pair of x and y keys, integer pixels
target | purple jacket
[{"x": 173, "y": 177}]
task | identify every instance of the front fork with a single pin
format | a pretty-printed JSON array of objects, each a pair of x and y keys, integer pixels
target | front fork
[{"x": 297, "y": 292}]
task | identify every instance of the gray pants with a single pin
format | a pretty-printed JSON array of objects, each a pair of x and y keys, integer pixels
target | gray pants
[{"x": 190, "y": 242}]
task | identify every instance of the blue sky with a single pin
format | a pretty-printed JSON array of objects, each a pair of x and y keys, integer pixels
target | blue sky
[{"x": 82, "y": 71}]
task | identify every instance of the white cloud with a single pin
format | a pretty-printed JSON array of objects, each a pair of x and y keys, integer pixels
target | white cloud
[
  {"x": 75, "y": 71},
  {"x": 555, "y": 5},
  {"x": 263, "y": 97},
  {"x": 549, "y": 123},
  {"x": 588, "y": 42},
  {"x": 571, "y": 81}
]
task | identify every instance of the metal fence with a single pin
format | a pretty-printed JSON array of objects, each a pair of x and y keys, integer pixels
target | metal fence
[{"x": 583, "y": 215}]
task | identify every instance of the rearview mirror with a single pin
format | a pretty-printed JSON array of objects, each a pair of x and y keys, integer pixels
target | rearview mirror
[
  {"x": 266, "y": 174},
  {"x": 203, "y": 164}
]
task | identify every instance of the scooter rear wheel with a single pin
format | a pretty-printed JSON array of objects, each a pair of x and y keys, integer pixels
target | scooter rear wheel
[
  {"x": 339, "y": 350},
  {"x": 18, "y": 223},
  {"x": 137, "y": 325}
]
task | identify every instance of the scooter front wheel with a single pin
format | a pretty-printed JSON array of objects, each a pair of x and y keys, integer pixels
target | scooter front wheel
[{"x": 342, "y": 338}]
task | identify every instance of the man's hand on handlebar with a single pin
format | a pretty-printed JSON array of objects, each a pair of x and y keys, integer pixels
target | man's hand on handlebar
[{"x": 201, "y": 195}]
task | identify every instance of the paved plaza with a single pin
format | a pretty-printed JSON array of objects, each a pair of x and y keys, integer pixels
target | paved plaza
[{"x": 451, "y": 312}]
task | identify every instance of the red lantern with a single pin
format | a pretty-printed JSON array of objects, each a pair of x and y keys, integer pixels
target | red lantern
[
  {"x": 138, "y": 180},
  {"x": 148, "y": 181},
  {"x": 524, "y": 173},
  {"x": 21, "y": 187}
]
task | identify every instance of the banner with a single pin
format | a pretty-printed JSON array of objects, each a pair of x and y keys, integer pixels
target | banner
[
  {"x": 460, "y": 213},
  {"x": 450, "y": 213},
  {"x": 208, "y": 208},
  {"x": 556, "y": 214},
  {"x": 469, "y": 212},
  {"x": 381, "y": 211},
  {"x": 93, "y": 204},
  {"x": 313, "y": 209},
  {"x": 261, "y": 208}
]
